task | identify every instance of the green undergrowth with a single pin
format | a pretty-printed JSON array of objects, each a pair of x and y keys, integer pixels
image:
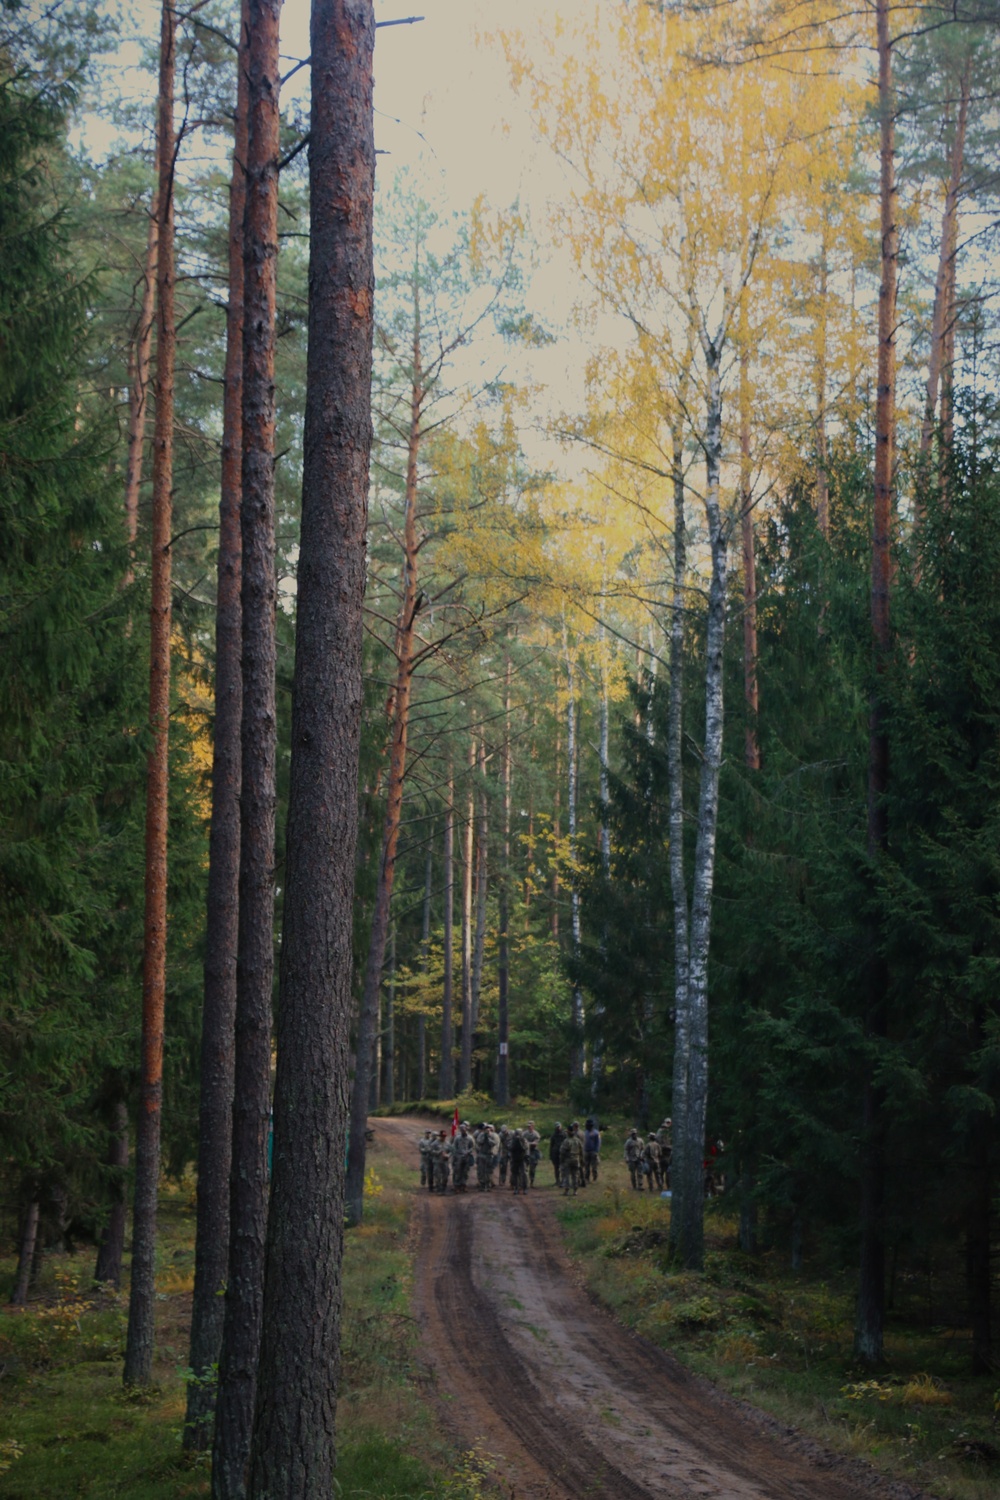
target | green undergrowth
[
  {"x": 781, "y": 1340},
  {"x": 68, "y": 1429}
]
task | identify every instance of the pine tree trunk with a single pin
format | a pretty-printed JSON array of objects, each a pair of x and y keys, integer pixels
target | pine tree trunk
[
  {"x": 215, "y": 1120},
  {"x": 258, "y": 747},
  {"x": 294, "y": 1442},
  {"x": 112, "y": 1245},
  {"x": 425, "y": 949},
  {"x": 597, "y": 1050},
  {"x": 465, "y": 1058},
  {"x": 482, "y": 889},
  {"x": 751, "y": 694},
  {"x": 577, "y": 1065},
  {"x": 501, "y": 1086},
  {"x": 870, "y": 1316},
  {"x": 822, "y": 469},
  {"x": 446, "y": 1074},
  {"x": 138, "y": 1369},
  {"x": 405, "y": 626},
  {"x": 678, "y": 876},
  {"x": 26, "y": 1253},
  {"x": 946, "y": 256},
  {"x": 389, "y": 1049},
  {"x": 138, "y": 366},
  {"x": 556, "y": 832},
  {"x": 690, "y": 1238}
]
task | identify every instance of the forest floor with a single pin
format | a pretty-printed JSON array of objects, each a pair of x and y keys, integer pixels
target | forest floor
[
  {"x": 68, "y": 1429},
  {"x": 756, "y": 1398}
]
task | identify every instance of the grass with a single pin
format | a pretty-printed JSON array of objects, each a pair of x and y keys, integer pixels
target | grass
[
  {"x": 68, "y": 1429},
  {"x": 781, "y": 1340}
]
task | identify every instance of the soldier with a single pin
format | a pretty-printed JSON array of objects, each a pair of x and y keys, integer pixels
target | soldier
[
  {"x": 665, "y": 1141},
  {"x": 571, "y": 1159},
  {"x": 518, "y": 1153},
  {"x": 555, "y": 1144},
  {"x": 633, "y": 1158},
  {"x": 532, "y": 1140},
  {"x": 494, "y": 1151},
  {"x": 441, "y": 1156},
  {"x": 651, "y": 1164},
  {"x": 504, "y": 1155},
  {"x": 484, "y": 1159},
  {"x": 423, "y": 1146},
  {"x": 463, "y": 1149},
  {"x": 591, "y": 1152}
]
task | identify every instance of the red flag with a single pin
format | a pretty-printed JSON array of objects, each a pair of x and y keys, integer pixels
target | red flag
[{"x": 454, "y": 1124}]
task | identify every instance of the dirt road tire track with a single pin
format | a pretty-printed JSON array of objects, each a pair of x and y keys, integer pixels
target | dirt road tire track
[{"x": 569, "y": 1404}]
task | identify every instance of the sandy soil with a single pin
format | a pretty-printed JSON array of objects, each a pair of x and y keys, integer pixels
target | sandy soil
[{"x": 567, "y": 1403}]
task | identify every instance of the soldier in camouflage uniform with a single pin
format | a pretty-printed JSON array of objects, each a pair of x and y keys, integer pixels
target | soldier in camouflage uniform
[
  {"x": 651, "y": 1164},
  {"x": 633, "y": 1158},
  {"x": 440, "y": 1156},
  {"x": 571, "y": 1160},
  {"x": 423, "y": 1146},
  {"x": 517, "y": 1150},
  {"x": 484, "y": 1159},
  {"x": 504, "y": 1156},
  {"x": 665, "y": 1141},
  {"x": 591, "y": 1151},
  {"x": 463, "y": 1150},
  {"x": 533, "y": 1142},
  {"x": 555, "y": 1146}
]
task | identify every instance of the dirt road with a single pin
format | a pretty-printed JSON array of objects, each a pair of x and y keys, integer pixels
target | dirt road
[{"x": 569, "y": 1405}]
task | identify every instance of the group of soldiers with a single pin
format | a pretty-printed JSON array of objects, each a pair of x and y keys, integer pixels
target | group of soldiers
[
  {"x": 507, "y": 1152},
  {"x": 648, "y": 1161}
]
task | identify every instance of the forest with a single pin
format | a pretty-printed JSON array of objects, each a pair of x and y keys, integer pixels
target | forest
[{"x": 483, "y": 651}]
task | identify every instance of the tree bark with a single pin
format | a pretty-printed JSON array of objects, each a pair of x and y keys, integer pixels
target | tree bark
[
  {"x": 138, "y": 365},
  {"x": 26, "y": 1253},
  {"x": 389, "y": 1048},
  {"x": 556, "y": 833},
  {"x": 946, "y": 256},
  {"x": 405, "y": 626},
  {"x": 751, "y": 693},
  {"x": 482, "y": 887},
  {"x": 577, "y": 1065},
  {"x": 870, "y": 1317},
  {"x": 258, "y": 748},
  {"x": 446, "y": 1074},
  {"x": 425, "y": 951},
  {"x": 294, "y": 1443},
  {"x": 678, "y": 875},
  {"x": 112, "y": 1245},
  {"x": 465, "y": 1059},
  {"x": 138, "y": 1368},
  {"x": 689, "y": 1236},
  {"x": 502, "y": 1084},
  {"x": 215, "y": 1120}
]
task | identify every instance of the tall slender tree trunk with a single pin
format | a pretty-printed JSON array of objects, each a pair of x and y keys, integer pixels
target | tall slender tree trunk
[
  {"x": 556, "y": 831},
  {"x": 389, "y": 1048},
  {"x": 258, "y": 747},
  {"x": 822, "y": 455},
  {"x": 502, "y": 1084},
  {"x": 465, "y": 1059},
  {"x": 946, "y": 257},
  {"x": 218, "y": 1023},
  {"x": 27, "y": 1242},
  {"x": 482, "y": 886},
  {"x": 678, "y": 875},
  {"x": 690, "y": 1240},
  {"x": 446, "y": 1074},
  {"x": 577, "y": 1064},
  {"x": 112, "y": 1245},
  {"x": 870, "y": 1316},
  {"x": 294, "y": 1441},
  {"x": 425, "y": 953},
  {"x": 751, "y": 693},
  {"x": 597, "y": 1050},
  {"x": 138, "y": 1369},
  {"x": 138, "y": 364},
  {"x": 405, "y": 627}
]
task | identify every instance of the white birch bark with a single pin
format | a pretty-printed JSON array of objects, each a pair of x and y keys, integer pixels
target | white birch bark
[{"x": 577, "y": 1056}]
